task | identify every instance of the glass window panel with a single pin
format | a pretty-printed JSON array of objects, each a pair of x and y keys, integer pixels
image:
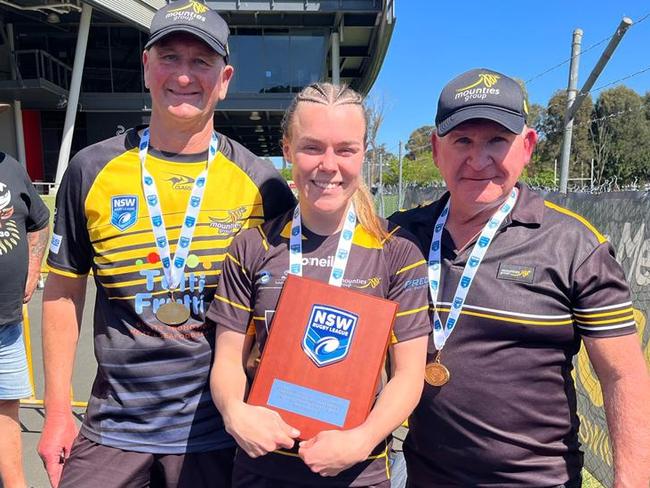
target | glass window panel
[
  {"x": 276, "y": 63},
  {"x": 97, "y": 73},
  {"x": 246, "y": 55},
  {"x": 126, "y": 59},
  {"x": 277, "y": 77},
  {"x": 307, "y": 60}
]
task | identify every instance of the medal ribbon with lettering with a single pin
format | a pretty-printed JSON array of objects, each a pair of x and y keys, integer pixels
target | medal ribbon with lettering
[
  {"x": 173, "y": 269},
  {"x": 436, "y": 373},
  {"x": 342, "y": 251}
]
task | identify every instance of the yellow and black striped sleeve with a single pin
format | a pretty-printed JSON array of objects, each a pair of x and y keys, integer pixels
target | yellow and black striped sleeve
[
  {"x": 408, "y": 287},
  {"x": 232, "y": 306},
  {"x": 71, "y": 252},
  {"x": 602, "y": 306}
]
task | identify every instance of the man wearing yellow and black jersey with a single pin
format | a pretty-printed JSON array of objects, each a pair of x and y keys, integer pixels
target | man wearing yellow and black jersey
[
  {"x": 517, "y": 283},
  {"x": 150, "y": 419}
]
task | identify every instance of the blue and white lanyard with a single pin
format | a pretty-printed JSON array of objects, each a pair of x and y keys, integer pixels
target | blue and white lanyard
[
  {"x": 342, "y": 251},
  {"x": 440, "y": 333},
  {"x": 173, "y": 270}
]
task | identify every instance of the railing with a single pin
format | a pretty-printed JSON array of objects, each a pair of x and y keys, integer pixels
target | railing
[
  {"x": 36, "y": 63},
  {"x": 44, "y": 187}
]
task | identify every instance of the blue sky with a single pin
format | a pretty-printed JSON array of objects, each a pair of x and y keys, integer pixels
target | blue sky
[{"x": 435, "y": 40}]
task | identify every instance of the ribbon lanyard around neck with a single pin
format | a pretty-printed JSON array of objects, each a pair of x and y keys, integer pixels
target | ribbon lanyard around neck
[
  {"x": 173, "y": 270},
  {"x": 440, "y": 333},
  {"x": 342, "y": 250}
]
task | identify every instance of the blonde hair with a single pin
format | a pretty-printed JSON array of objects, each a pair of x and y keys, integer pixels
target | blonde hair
[{"x": 329, "y": 94}]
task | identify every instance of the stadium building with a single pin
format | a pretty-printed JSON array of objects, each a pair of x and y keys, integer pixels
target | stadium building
[{"x": 71, "y": 74}]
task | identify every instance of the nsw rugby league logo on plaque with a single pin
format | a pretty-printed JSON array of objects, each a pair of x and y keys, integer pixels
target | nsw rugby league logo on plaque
[{"x": 328, "y": 334}]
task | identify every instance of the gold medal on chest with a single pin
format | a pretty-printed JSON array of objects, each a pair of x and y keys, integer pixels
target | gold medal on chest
[
  {"x": 436, "y": 373},
  {"x": 173, "y": 313}
]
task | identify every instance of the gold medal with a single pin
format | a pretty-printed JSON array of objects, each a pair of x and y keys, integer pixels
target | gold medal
[
  {"x": 173, "y": 313},
  {"x": 435, "y": 373}
]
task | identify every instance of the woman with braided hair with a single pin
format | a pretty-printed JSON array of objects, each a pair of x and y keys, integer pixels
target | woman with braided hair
[{"x": 324, "y": 138}]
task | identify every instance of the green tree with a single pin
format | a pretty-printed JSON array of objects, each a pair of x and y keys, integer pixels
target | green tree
[
  {"x": 535, "y": 116},
  {"x": 376, "y": 156},
  {"x": 621, "y": 136},
  {"x": 286, "y": 173},
  {"x": 418, "y": 171},
  {"x": 550, "y": 128},
  {"x": 419, "y": 141},
  {"x": 375, "y": 108}
]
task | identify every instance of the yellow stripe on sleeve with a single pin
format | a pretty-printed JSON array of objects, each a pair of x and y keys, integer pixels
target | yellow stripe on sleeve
[
  {"x": 578, "y": 217},
  {"x": 232, "y": 258},
  {"x": 603, "y": 314},
  {"x": 604, "y": 322},
  {"x": 67, "y": 274},
  {"x": 236, "y": 305},
  {"x": 265, "y": 243},
  {"x": 412, "y": 311},
  {"x": 411, "y": 266},
  {"x": 514, "y": 321}
]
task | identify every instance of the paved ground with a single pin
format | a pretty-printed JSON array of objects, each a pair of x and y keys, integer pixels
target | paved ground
[{"x": 32, "y": 416}]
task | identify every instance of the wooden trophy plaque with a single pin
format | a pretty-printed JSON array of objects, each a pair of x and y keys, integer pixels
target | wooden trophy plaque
[{"x": 321, "y": 362}]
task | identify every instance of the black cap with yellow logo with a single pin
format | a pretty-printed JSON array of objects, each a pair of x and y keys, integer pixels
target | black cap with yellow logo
[
  {"x": 194, "y": 18},
  {"x": 482, "y": 94}
]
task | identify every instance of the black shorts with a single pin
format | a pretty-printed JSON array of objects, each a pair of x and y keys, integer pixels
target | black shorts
[
  {"x": 242, "y": 478},
  {"x": 93, "y": 465}
]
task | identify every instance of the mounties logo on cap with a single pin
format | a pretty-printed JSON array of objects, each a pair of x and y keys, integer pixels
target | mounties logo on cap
[
  {"x": 194, "y": 18},
  {"x": 482, "y": 94},
  {"x": 480, "y": 89},
  {"x": 198, "y": 8},
  {"x": 486, "y": 79},
  {"x": 328, "y": 334}
]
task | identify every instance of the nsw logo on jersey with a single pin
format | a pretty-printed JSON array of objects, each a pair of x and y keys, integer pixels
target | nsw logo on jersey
[
  {"x": 328, "y": 334},
  {"x": 124, "y": 211}
]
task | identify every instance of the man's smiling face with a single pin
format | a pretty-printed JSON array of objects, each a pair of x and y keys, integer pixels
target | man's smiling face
[{"x": 186, "y": 78}]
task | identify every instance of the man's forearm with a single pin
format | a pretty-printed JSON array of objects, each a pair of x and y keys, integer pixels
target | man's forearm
[
  {"x": 624, "y": 378},
  {"x": 627, "y": 402},
  {"x": 63, "y": 301},
  {"x": 37, "y": 242}
]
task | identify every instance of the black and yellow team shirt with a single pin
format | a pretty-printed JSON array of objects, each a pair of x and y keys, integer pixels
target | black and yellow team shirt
[
  {"x": 508, "y": 416},
  {"x": 151, "y": 391},
  {"x": 253, "y": 274}
]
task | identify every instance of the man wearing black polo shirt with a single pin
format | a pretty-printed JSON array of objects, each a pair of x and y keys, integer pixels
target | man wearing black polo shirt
[{"x": 516, "y": 283}]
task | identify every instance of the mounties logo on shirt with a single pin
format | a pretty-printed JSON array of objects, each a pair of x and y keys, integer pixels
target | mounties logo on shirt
[
  {"x": 231, "y": 224},
  {"x": 124, "y": 211},
  {"x": 328, "y": 334}
]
